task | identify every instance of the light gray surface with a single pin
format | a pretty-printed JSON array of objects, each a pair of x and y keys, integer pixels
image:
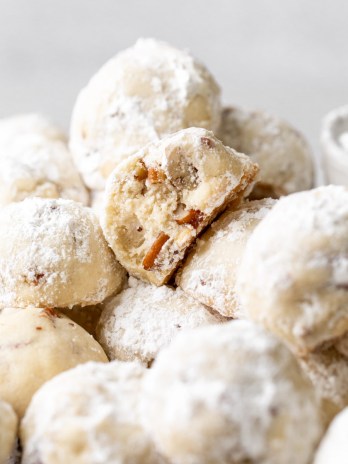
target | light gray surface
[{"x": 288, "y": 56}]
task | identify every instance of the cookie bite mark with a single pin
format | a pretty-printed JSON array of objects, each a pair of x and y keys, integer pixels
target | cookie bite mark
[{"x": 160, "y": 199}]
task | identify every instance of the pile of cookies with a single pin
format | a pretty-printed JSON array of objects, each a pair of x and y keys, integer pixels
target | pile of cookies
[{"x": 159, "y": 302}]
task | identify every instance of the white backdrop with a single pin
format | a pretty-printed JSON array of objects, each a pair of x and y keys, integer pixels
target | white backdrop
[{"x": 288, "y": 56}]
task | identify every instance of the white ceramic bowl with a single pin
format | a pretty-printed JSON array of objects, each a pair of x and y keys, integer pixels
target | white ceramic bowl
[{"x": 334, "y": 145}]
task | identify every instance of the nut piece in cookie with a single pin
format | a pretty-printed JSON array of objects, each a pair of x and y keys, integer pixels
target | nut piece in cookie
[{"x": 159, "y": 200}]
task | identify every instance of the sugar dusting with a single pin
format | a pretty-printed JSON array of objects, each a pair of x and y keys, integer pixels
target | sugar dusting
[
  {"x": 143, "y": 319},
  {"x": 142, "y": 94},
  {"x": 253, "y": 405},
  {"x": 99, "y": 405},
  {"x": 211, "y": 269},
  {"x": 54, "y": 241}
]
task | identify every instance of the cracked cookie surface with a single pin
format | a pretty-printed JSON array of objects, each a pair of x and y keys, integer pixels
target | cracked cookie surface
[{"x": 160, "y": 199}]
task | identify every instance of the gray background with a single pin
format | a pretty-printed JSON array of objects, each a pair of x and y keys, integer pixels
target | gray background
[{"x": 287, "y": 56}]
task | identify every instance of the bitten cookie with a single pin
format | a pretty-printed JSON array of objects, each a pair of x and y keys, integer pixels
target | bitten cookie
[
  {"x": 230, "y": 393},
  {"x": 294, "y": 273},
  {"x": 210, "y": 271},
  {"x": 36, "y": 345},
  {"x": 141, "y": 95},
  {"x": 8, "y": 431},
  {"x": 53, "y": 253},
  {"x": 160, "y": 199},
  {"x": 284, "y": 157},
  {"x": 34, "y": 165},
  {"x": 143, "y": 319},
  {"x": 89, "y": 415},
  {"x": 334, "y": 446}
]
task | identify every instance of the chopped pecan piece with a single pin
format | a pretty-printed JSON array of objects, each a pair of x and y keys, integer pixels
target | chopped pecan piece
[
  {"x": 207, "y": 142},
  {"x": 140, "y": 172},
  {"x": 151, "y": 255},
  {"x": 193, "y": 217},
  {"x": 156, "y": 176}
]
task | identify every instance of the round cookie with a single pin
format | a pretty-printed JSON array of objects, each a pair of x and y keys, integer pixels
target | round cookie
[
  {"x": 143, "y": 319},
  {"x": 160, "y": 199},
  {"x": 61, "y": 256},
  {"x": 144, "y": 93},
  {"x": 89, "y": 415},
  {"x": 36, "y": 345},
  {"x": 294, "y": 273},
  {"x": 8, "y": 432},
  {"x": 28, "y": 124},
  {"x": 34, "y": 165},
  {"x": 210, "y": 271},
  {"x": 230, "y": 393},
  {"x": 334, "y": 446},
  {"x": 284, "y": 157},
  {"x": 328, "y": 371}
]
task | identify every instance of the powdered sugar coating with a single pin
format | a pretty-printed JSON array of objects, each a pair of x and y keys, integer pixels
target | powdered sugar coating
[
  {"x": 89, "y": 415},
  {"x": 142, "y": 94},
  {"x": 171, "y": 189},
  {"x": 334, "y": 446},
  {"x": 282, "y": 153},
  {"x": 210, "y": 271},
  {"x": 61, "y": 256},
  {"x": 294, "y": 273},
  {"x": 34, "y": 165},
  {"x": 35, "y": 345},
  {"x": 143, "y": 319},
  {"x": 29, "y": 124},
  {"x": 8, "y": 432},
  {"x": 230, "y": 394}
]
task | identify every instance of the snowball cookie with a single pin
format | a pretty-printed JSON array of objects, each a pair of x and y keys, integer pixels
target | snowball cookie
[
  {"x": 160, "y": 199},
  {"x": 209, "y": 274},
  {"x": 334, "y": 446},
  {"x": 36, "y": 345},
  {"x": 88, "y": 415},
  {"x": 230, "y": 393},
  {"x": 328, "y": 370},
  {"x": 294, "y": 273},
  {"x": 142, "y": 94},
  {"x": 8, "y": 432},
  {"x": 282, "y": 153},
  {"x": 36, "y": 166},
  {"x": 141, "y": 320},
  {"x": 53, "y": 253},
  {"x": 28, "y": 124}
]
